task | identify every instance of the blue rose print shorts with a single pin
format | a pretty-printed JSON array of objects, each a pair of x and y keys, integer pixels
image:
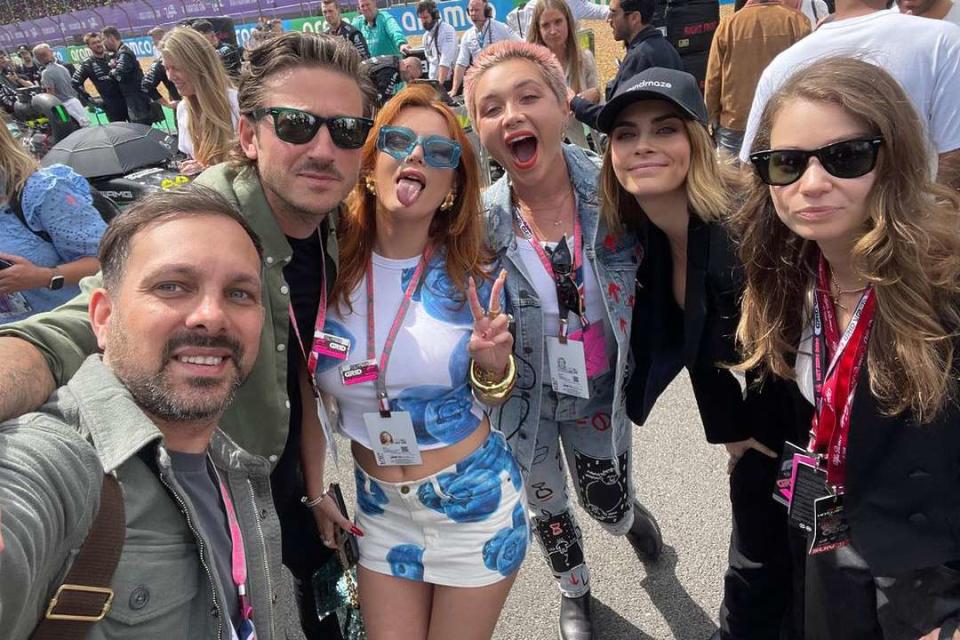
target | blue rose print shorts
[{"x": 465, "y": 526}]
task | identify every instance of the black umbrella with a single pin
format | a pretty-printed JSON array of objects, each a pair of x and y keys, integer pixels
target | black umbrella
[{"x": 113, "y": 149}]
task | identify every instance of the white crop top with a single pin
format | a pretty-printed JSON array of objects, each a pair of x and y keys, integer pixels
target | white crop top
[{"x": 427, "y": 373}]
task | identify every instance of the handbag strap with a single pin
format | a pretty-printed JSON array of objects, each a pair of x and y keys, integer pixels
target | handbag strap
[
  {"x": 85, "y": 596},
  {"x": 16, "y": 205}
]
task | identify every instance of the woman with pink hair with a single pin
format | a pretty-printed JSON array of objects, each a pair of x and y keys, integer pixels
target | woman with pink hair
[{"x": 570, "y": 283}]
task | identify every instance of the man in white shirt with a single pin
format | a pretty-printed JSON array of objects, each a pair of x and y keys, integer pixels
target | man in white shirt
[
  {"x": 936, "y": 9},
  {"x": 923, "y": 55},
  {"x": 439, "y": 42},
  {"x": 484, "y": 32}
]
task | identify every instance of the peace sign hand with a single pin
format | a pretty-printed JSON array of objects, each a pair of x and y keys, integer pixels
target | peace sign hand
[{"x": 491, "y": 343}]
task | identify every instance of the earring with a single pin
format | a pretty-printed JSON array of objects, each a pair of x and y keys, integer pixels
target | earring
[
  {"x": 371, "y": 185},
  {"x": 447, "y": 203}
]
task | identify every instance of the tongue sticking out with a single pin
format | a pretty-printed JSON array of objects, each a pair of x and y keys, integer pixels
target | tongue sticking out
[
  {"x": 408, "y": 191},
  {"x": 524, "y": 150}
]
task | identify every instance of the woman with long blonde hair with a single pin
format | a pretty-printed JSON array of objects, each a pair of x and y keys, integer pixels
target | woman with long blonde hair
[
  {"x": 852, "y": 258},
  {"x": 553, "y": 26},
  {"x": 49, "y": 233},
  {"x": 408, "y": 353},
  {"x": 208, "y": 113},
  {"x": 662, "y": 180}
]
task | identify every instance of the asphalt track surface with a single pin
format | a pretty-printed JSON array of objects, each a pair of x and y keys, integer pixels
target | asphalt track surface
[{"x": 683, "y": 481}]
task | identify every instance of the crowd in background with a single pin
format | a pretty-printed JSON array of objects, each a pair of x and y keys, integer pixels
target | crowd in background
[{"x": 14, "y": 11}]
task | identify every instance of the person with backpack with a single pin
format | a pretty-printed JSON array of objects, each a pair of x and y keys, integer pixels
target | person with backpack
[{"x": 49, "y": 230}]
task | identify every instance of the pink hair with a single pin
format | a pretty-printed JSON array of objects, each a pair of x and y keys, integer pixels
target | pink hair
[{"x": 500, "y": 52}]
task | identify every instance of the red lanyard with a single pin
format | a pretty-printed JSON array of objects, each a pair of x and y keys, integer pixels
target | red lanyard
[
  {"x": 531, "y": 237},
  {"x": 382, "y": 398},
  {"x": 835, "y": 380},
  {"x": 311, "y": 359},
  {"x": 238, "y": 558}
]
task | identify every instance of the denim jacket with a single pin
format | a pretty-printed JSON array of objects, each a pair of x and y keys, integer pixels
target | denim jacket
[
  {"x": 163, "y": 585},
  {"x": 614, "y": 259}
]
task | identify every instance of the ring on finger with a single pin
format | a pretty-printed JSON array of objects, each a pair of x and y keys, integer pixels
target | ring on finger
[{"x": 493, "y": 313}]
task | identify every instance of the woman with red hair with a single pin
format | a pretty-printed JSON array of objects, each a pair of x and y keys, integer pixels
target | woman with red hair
[{"x": 409, "y": 353}]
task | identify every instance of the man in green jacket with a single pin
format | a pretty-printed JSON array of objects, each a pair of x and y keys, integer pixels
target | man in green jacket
[
  {"x": 381, "y": 30},
  {"x": 179, "y": 329},
  {"x": 284, "y": 183}
]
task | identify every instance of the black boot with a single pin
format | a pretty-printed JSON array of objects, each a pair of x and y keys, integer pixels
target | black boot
[
  {"x": 644, "y": 535},
  {"x": 576, "y": 622}
]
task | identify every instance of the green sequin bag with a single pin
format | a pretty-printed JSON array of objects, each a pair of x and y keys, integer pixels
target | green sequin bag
[{"x": 335, "y": 592}]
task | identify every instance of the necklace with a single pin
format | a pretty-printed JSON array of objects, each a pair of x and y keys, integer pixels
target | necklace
[
  {"x": 557, "y": 220},
  {"x": 837, "y": 292}
]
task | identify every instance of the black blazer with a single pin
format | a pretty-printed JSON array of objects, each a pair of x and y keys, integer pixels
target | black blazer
[
  {"x": 903, "y": 484},
  {"x": 700, "y": 338}
]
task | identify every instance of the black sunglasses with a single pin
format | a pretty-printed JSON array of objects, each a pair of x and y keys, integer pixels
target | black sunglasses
[
  {"x": 300, "y": 127},
  {"x": 568, "y": 294},
  {"x": 844, "y": 159}
]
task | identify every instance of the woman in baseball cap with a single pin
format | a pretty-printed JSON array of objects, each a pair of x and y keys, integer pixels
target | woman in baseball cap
[{"x": 662, "y": 179}]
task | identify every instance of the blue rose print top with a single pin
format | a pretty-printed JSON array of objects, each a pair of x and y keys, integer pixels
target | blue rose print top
[
  {"x": 58, "y": 201},
  {"x": 427, "y": 374}
]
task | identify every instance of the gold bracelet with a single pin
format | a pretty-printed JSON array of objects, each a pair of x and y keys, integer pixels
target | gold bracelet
[
  {"x": 481, "y": 379},
  {"x": 496, "y": 390},
  {"x": 496, "y": 398}
]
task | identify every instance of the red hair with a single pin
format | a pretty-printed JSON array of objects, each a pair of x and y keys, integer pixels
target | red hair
[{"x": 459, "y": 230}]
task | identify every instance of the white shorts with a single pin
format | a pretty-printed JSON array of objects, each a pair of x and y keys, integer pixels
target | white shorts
[{"x": 465, "y": 526}]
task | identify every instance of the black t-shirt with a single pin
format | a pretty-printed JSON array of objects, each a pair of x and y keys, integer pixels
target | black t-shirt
[
  {"x": 195, "y": 474},
  {"x": 304, "y": 276},
  {"x": 31, "y": 73}
]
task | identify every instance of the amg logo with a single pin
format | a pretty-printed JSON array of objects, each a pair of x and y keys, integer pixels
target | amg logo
[{"x": 118, "y": 195}]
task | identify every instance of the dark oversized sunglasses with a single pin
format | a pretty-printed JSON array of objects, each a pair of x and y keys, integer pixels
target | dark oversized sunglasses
[
  {"x": 844, "y": 159},
  {"x": 568, "y": 294},
  {"x": 438, "y": 152},
  {"x": 300, "y": 127}
]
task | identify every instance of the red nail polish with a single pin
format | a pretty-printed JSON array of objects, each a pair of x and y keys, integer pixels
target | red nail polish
[{"x": 355, "y": 531}]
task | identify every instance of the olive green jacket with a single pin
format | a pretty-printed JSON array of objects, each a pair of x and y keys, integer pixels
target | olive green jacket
[
  {"x": 51, "y": 470},
  {"x": 258, "y": 419}
]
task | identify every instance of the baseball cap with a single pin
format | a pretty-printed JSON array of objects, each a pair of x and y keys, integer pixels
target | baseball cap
[{"x": 655, "y": 83}]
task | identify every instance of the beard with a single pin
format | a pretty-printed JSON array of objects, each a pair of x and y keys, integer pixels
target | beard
[
  {"x": 196, "y": 398},
  {"x": 314, "y": 207}
]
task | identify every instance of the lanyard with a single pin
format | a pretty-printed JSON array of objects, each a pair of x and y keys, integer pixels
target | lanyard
[
  {"x": 382, "y": 398},
  {"x": 434, "y": 34},
  {"x": 548, "y": 266},
  {"x": 311, "y": 359},
  {"x": 238, "y": 559},
  {"x": 835, "y": 380},
  {"x": 484, "y": 34}
]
